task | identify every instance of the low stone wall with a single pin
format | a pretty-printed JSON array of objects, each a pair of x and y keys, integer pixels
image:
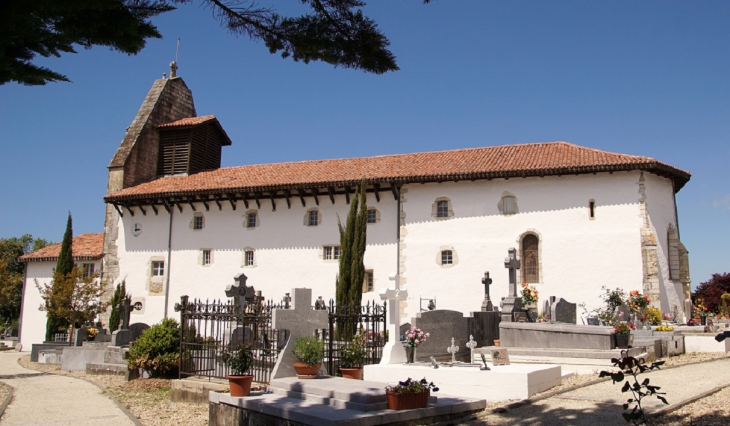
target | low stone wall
[
  {"x": 36, "y": 348},
  {"x": 564, "y": 336},
  {"x": 666, "y": 343},
  {"x": 196, "y": 391},
  {"x": 76, "y": 358},
  {"x": 705, "y": 343}
]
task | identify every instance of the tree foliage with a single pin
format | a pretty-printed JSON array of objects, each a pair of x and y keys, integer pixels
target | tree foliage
[
  {"x": 117, "y": 298},
  {"x": 630, "y": 368},
  {"x": 12, "y": 271},
  {"x": 73, "y": 298},
  {"x": 352, "y": 251},
  {"x": 64, "y": 267},
  {"x": 711, "y": 291},
  {"x": 157, "y": 350},
  {"x": 334, "y": 31}
]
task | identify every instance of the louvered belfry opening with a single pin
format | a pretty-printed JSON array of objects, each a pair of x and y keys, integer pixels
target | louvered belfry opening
[
  {"x": 190, "y": 149},
  {"x": 530, "y": 261}
]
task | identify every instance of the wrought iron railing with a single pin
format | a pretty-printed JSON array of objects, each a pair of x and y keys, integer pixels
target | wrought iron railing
[{"x": 344, "y": 322}]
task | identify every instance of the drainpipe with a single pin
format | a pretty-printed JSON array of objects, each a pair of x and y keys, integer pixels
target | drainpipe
[
  {"x": 169, "y": 256},
  {"x": 397, "y": 239}
]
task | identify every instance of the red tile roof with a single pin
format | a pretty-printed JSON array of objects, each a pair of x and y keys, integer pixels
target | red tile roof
[
  {"x": 535, "y": 159},
  {"x": 83, "y": 247},
  {"x": 188, "y": 121}
]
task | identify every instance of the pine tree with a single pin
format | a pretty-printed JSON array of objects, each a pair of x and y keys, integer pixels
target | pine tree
[
  {"x": 119, "y": 294},
  {"x": 64, "y": 267}
]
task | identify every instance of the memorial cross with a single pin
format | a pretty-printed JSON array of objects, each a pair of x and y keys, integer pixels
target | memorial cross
[
  {"x": 393, "y": 351},
  {"x": 513, "y": 264},
  {"x": 301, "y": 321},
  {"x": 487, "y": 303},
  {"x": 126, "y": 310},
  {"x": 287, "y": 300},
  {"x": 471, "y": 344},
  {"x": 240, "y": 292},
  {"x": 453, "y": 349}
]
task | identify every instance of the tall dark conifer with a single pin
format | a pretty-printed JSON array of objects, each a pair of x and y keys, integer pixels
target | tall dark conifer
[
  {"x": 64, "y": 266},
  {"x": 117, "y": 299},
  {"x": 352, "y": 251}
]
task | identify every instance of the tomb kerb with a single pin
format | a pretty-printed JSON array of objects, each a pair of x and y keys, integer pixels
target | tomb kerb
[{"x": 301, "y": 321}]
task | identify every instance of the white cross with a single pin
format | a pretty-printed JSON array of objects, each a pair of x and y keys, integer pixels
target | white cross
[
  {"x": 453, "y": 349},
  {"x": 471, "y": 344},
  {"x": 393, "y": 351},
  {"x": 301, "y": 321}
]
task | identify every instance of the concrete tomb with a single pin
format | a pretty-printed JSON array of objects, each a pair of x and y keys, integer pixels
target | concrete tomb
[
  {"x": 443, "y": 325},
  {"x": 567, "y": 336}
]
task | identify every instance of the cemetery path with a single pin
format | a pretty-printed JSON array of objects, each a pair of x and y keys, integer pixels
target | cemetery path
[
  {"x": 600, "y": 404},
  {"x": 41, "y": 398}
]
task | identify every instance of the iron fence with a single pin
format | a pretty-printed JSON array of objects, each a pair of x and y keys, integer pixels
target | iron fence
[
  {"x": 210, "y": 328},
  {"x": 344, "y": 322}
]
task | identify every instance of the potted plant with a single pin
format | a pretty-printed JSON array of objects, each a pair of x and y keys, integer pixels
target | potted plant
[
  {"x": 309, "y": 352},
  {"x": 623, "y": 334},
  {"x": 414, "y": 337},
  {"x": 352, "y": 358},
  {"x": 409, "y": 394},
  {"x": 240, "y": 361}
]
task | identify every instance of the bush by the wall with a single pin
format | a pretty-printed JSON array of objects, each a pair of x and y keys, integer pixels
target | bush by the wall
[{"x": 157, "y": 350}]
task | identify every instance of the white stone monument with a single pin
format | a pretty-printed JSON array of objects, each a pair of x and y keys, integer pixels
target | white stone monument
[{"x": 393, "y": 351}]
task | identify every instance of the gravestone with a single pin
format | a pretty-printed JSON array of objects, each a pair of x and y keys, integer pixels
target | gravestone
[
  {"x": 82, "y": 335},
  {"x": 240, "y": 292},
  {"x": 241, "y": 334},
  {"x": 484, "y": 326},
  {"x": 471, "y": 344},
  {"x": 453, "y": 349},
  {"x": 487, "y": 303},
  {"x": 442, "y": 325},
  {"x": 563, "y": 311},
  {"x": 512, "y": 303},
  {"x": 136, "y": 329},
  {"x": 500, "y": 357},
  {"x": 123, "y": 336},
  {"x": 404, "y": 328},
  {"x": 300, "y": 321},
  {"x": 623, "y": 313}
]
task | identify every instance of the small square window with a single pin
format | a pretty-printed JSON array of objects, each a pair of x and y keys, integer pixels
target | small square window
[
  {"x": 372, "y": 216},
  {"x": 447, "y": 257},
  {"x": 442, "y": 208},
  {"x": 331, "y": 252},
  {"x": 198, "y": 222},
  {"x": 249, "y": 258},
  {"x": 88, "y": 270},
  {"x": 206, "y": 257},
  {"x": 313, "y": 218},
  {"x": 251, "y": 221},
  {"x": 158, "y": 268}
]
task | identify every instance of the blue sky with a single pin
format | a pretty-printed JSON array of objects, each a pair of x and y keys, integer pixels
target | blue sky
[{"x": 638, "y": 77}]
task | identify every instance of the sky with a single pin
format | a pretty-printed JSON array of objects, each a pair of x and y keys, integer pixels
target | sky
[{"x": 645, "y": 77}]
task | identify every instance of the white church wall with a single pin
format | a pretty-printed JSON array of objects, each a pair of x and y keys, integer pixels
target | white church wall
[
  {"x": 287, "y": 253},
  {"x": 578, "y": 255},
  {"x": 660, "y": 207},
  {"x": 33, "y": 320}
]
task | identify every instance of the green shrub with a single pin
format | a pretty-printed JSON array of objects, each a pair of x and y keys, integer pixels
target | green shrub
[
  {"x": 240, "y": 359},
  {"x": 309, "y": 350},
  {"x": 157, "y": 350},
  {"x": 353, "y": 356},
  {"x": 653, "y": 315}
]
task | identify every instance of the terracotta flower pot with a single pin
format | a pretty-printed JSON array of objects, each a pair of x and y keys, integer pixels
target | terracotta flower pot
[
  {"x": 351, "y": 373},
  {"x": 407, "y": 400},
  {"x": 240, "y": 385},
  {"x": 306, "y": 371},
  {"x": 496, "y": 342}
]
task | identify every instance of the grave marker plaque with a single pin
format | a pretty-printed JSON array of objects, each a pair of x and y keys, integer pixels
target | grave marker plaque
[{"x": 500, "y": 357}]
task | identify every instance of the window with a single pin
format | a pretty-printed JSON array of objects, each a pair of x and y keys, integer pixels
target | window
[
  {"x": 251, "y": 220},
  {"x": 198, "y": 222},
  {"x": 312, "y": 217},
  {"x": 88, "y": 270},
  {"x": 372, "y": 216},
  {"x": 530, "y": 259},
  {"x": 447, "y": 257},
  {"x": 331, "y": 252},
  {"x": 442, "y": 208},
  {"x": 509, "y": 205},
  {"x": 206, "y": 258},
  {"x": 592, "y": 209},
  {"x": 158, "y": 268},
  {"x": 367, "y": 285},
  {"x": 248, "y": 258}
]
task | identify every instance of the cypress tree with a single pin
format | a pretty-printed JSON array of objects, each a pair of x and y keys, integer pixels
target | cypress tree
[
  {"x": 64, "y": 266},
  {"x": 119, "y": 294}
]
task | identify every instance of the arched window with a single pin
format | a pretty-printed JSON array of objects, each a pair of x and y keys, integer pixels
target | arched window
[{"x": 530, "y": 259}]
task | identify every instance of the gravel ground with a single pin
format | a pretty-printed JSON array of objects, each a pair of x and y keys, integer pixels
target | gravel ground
[
  {"x": 4, "y": 391},
  {"x": 149, "y": 399}
]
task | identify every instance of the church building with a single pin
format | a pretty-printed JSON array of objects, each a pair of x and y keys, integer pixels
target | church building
[{"x": 580, "y": 219}]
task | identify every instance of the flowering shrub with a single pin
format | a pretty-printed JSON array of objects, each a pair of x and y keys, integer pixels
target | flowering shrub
[
  {"x": 92, "y": 332},
  {"x": 529, "y": 294},
  {"x": 700, "y": 309},
  {"x": 415, "y": 336},
  {"x": 309, "y": 350},
  {"x": 353, "y": 356},
  {"x": 652, "y": 315},
  {"x": 624, "y": 327},
  {"x": 413, "y": 386},
  {"x": 637, "y": 301}
]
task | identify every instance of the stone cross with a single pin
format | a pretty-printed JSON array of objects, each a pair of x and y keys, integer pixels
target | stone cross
[
  {"x": 301, "y": 321},
  {"x": 471, "y": 344},
  {"x": 393, "y": 351},
  {"x": 487, "y": 303},
  {"x": 513, "y": 264},
  {"x": 287, "y": 300},
  {"x": 453, "y": 349},
  {"x": 240, "y": 292}
]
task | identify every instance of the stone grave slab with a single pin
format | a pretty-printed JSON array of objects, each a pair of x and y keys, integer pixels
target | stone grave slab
[
  {"x": 568, "y": 336},
  {"x": 136, "y": 330},
  {"x": 563, "y": 311},
  {"x": 443, "y": 325}
]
